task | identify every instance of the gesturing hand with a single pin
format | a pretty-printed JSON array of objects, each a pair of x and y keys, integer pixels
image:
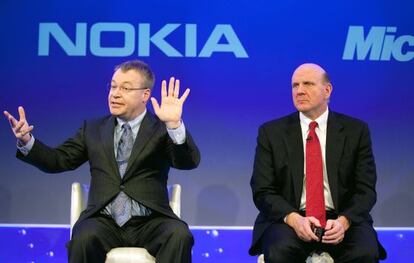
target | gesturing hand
[
  {"x": 20, "y": 128},
  {"x": 171, "y": 107}
]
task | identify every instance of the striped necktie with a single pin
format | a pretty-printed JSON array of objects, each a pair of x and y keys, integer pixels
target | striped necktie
[{"x": 121, "y": 206}]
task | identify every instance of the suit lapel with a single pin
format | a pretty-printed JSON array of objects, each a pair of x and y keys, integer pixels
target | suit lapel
[
  {"x": 294, "y": 145},
  {"x": 146, "y": 131},
  {"x": 334, "y": 147},
  {"x": 107, "y": 138}
]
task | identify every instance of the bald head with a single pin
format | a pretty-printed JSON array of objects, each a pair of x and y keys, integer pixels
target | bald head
[
  {"x": 313, "y": 68},
  {"x": 311, "y": 90}
]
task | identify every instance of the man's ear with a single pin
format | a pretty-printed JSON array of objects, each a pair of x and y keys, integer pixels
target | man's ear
[
  {"x": 328, "y": 90},
  {"x": 146, "y": 95}
]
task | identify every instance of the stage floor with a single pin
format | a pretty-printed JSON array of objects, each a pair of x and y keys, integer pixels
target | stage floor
[{"x": 215, "y": 244}]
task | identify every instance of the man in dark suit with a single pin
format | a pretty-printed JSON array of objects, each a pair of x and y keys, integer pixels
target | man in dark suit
[
  {"x": 130, "y": 153},
  {"x": 287, "y": 228}
]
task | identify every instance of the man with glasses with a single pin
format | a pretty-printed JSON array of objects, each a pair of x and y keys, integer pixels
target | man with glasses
[{"x": 130, "y": 153}]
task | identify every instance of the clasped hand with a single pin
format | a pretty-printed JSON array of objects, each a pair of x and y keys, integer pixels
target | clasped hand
[{"x": 303, "y": 226}]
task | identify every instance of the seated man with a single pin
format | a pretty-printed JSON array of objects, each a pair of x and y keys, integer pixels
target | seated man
[
  {"x": 130, "y": 153},
  {"x": 314, "y": 180}
]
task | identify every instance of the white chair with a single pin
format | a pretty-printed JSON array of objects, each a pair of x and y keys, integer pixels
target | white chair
[
  {"x": 79, "y": 200},
  {"x": 324, "y": 257}
]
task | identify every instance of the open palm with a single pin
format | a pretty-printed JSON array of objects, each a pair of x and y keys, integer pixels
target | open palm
[{"x": 171, "y": 107}]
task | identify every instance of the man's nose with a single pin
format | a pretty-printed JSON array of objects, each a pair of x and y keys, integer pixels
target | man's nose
[
  {"x": 115, "y": 93},
  {"x": 300, "y": 89}
]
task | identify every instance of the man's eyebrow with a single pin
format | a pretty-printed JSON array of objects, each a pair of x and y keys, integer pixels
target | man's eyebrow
[
  {"x": 308, "y": 82},
  {"x": 125, "y": 82}
]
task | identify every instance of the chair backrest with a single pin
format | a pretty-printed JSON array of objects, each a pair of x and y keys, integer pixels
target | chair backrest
[
  {"x": 79, "y": 200},
  {"x": 174, "y": 194}
]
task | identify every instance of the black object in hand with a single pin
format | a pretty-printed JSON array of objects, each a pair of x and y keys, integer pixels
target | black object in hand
[{"x": 319, "y": 232}]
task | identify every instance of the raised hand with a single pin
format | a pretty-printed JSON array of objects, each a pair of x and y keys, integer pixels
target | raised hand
[
  {"x": 171, "y": 107},
  {"x": 20, "y": 128}
]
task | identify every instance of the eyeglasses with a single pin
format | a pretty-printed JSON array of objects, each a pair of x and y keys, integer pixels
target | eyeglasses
[{"x": 122, "y": 88}]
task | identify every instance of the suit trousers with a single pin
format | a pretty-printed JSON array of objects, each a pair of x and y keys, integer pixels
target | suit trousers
[
  {"x": 165, "y": 238},
  {"x": 281, "y": 244}
]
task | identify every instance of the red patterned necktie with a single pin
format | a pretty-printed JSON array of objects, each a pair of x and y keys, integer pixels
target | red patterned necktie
[{"x": 315, "y": 201}]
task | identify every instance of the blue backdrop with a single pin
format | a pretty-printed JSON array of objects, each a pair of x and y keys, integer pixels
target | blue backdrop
[{"x": 237, "y": 57}]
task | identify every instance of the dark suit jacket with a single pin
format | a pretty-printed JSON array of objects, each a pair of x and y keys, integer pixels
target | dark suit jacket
[
  {"x": 145, "y": 179},
  {"x": 278, "y": 172}
]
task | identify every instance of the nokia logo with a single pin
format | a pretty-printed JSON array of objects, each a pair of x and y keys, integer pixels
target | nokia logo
[
  {"x": 138, "y": 40},
  {"x": 380, "y": 44}
]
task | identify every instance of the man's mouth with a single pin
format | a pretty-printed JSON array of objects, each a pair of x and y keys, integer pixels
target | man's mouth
[{"x": 113, "y": 103}]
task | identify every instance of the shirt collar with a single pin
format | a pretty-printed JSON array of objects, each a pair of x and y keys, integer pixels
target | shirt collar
[
  {"x": 134, "y": 123},
  {"x": 321, "y": 120}
]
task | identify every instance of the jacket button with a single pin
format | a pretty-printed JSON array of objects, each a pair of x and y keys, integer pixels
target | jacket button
[{"x": 122, "y": 187}]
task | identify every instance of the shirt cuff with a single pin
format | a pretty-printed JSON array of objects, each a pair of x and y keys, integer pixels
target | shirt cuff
[
  {"x": 177, "y": 135},
  {"x": 25, "y": 149}
]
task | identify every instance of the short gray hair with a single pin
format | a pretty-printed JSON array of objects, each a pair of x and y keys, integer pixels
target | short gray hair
[{"x": 140, "y": 67}]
